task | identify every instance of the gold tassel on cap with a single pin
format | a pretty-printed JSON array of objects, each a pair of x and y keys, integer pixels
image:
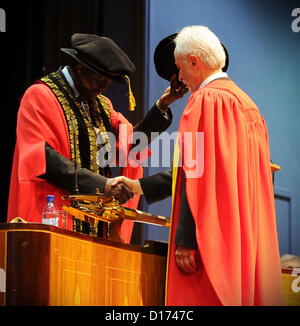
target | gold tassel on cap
[{"x": 131, "y": 98}]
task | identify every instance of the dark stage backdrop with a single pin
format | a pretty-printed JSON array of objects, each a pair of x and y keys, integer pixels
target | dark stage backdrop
[{"x": 36, "y": 30}]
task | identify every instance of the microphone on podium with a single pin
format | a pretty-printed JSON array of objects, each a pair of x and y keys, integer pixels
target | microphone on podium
[{"x": 76, "y": 188}]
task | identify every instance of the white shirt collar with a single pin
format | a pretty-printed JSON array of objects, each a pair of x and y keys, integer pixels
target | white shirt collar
[
  {"x": 70, "y": 81},
  {"x": 213, "y": 77}
]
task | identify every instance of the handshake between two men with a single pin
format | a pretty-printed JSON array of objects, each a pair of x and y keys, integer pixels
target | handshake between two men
[{"x": 122, "y": 188}]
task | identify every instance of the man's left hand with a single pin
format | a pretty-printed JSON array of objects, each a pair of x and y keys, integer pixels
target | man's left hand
[
  {"x": 186, "y": 260},
  {"x": 175, "y": 91}
]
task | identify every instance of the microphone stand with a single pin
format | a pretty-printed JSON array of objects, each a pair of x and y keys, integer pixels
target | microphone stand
[{"x": 76, "y": 188}]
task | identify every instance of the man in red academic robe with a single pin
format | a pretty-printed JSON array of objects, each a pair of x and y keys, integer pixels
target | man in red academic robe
[
  {"x": 223, "y": 246},
  {"x": 60, "y": 121}
]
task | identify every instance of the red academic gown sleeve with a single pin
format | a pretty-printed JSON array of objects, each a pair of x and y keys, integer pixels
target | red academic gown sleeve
[
  {"x": 40, "y": 120},
  {"x": 232, "y": 204}
]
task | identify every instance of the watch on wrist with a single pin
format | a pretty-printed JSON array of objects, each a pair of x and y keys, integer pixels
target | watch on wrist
[{"x": 161, "y": 109}]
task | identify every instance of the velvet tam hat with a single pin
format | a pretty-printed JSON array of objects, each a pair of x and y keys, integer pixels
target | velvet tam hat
[
  {"x": 164, "y": 60},
  {"x": 101, "y": 55}
]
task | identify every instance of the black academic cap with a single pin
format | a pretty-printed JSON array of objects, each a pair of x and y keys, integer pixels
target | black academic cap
[
  {"x": 164, "y": 57},
  {"x": 101, "y": 55}
]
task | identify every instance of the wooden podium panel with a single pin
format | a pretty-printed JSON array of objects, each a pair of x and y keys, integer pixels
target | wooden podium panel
[{"x": 45, "y": 265}]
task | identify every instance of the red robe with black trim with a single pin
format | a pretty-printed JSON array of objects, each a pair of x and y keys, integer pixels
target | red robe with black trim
[
  {"x": 41, "y": 119},
  {"x": 232, "y": 204}
]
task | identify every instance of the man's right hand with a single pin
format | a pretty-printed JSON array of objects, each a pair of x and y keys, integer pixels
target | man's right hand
[{"x": 119, "y": 190}]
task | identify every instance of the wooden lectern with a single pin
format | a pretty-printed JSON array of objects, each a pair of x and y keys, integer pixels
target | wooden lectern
[{"x": 45, "y": 265}]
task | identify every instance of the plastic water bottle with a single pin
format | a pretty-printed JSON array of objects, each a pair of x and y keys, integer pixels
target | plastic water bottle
[{"x": 50, "y": 212}]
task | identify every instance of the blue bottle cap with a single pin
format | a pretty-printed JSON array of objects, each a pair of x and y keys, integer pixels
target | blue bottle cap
[{"x": 50, "y": 198}]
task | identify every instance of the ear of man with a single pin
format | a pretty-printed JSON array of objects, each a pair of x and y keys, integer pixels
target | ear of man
[{"x": 195, "y": 62}]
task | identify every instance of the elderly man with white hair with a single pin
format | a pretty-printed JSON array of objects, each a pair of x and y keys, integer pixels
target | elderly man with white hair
[{"x": 223, "y": 246}]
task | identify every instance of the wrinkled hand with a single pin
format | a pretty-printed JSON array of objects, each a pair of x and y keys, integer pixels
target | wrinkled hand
[
  {"x": 175, "y": 91},
  {"x": 186, "y": 260},
  {"x": 133, "y": 185},
  {"x": 119, "y": 190}
]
